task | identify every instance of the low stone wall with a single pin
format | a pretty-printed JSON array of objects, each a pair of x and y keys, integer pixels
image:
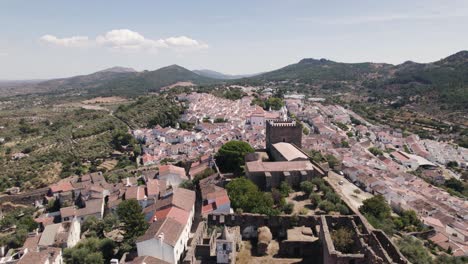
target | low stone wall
[
  {"x": 277, "y": 224},
  {"x": 27, "y": 198}
]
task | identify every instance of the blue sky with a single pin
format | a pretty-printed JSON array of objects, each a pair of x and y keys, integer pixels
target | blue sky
[{"x": 47, "y": 39}]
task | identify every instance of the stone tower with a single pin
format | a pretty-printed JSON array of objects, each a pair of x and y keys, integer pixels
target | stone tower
[{"x": 283, "y": 131}]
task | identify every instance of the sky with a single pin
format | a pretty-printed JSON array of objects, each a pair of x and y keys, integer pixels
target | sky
[{"x": 51, "y": 39}]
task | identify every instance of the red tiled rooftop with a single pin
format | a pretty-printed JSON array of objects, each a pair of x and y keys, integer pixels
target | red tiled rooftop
[{"x": 61, "y": 187}]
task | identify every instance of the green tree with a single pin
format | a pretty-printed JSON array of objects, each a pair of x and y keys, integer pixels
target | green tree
[
  {"x": 377, "y": 207},
  {"x": 121, "y": 138},
  {"x": 274, "y": 103},
  {"x": 285, "y": 189},
  {"x": 375, "y": 151},
  {"x": 231, "y": 156},
  {"x": 245, "y": 195},
  {"x": 131, "y": 215},
  {"x": 326, "y": 206},
  {"x": 414, "y": 250},
  {"x": 90, "y": 251},
  {"x": 315, "y": 199},
  {"x": 343, "y": 239},
  {"x": 455, "y": 185},
  {"x": 332, "y": 161},
  {"x": 307, "y": 187},
  {"x": 343, "y": 209}
]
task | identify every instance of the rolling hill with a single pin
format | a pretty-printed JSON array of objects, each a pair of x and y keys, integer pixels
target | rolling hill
[
  {"x": 221, "y": 76},
  {"x": 149, "y": 81}
]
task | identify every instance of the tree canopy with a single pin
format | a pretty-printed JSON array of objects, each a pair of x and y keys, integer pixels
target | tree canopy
[
  {"x": 245, "y": 195},
  {"x": 231, "y": 156},
  {"x": 131, "y": 215},
  {"x": 90, "y": 251}
]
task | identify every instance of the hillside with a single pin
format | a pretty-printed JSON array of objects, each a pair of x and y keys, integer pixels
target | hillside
[
  {"x": 444, "y": 82},
  {"x": 149, "y": 81},
  {"x": 314, "y": 71},
  {"x": 221, "y": 76}
]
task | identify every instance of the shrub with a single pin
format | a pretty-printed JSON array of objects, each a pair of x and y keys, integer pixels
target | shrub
[
  {"x": 343, "y": 209},
  {"x": 288, "y": 208},
  {"x": 326, "y": 206}
]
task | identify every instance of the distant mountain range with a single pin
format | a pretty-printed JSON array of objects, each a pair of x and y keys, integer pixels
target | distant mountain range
[
  {"x": 221, "y": 76},
  {"x": 444, "y": 81}
]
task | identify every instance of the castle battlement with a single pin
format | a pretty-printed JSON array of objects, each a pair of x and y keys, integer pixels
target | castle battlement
[{"x": 277, "y": 123}]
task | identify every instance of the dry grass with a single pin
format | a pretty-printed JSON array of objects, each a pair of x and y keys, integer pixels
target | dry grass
[
  {"x": 108, "y": 164},
  {"x": 105, "y": 100},
  {"x": 245, "y": 255}
]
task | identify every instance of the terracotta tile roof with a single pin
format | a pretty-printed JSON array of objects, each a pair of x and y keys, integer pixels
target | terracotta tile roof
[
  {"x": 135, "y": 192},
  {"x": 61, "y": 187},
  {"x": 92, "y": 207},
  {"x": 182, "y": 198},
  {"x": 31, "y": 243},
  {"x": 46, "y": 256},
  {"x": 67, "y": 211},
  {"x": 147, "y": 260},
  {"x": 221, "y": 200},
  {"x": 208, "y": 208},
  {"x": 45, "y": 221},
  {"x": 171, "y": 169},
  {"x": 177, "y": 214},
  {"x": 153, "y": 186},
  {"x": 167, "y": 229}
]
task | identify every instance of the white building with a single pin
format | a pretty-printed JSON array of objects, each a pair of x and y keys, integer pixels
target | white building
[
  {"x": 172, "y": 174},
  {"x": 168, "y": 235}
]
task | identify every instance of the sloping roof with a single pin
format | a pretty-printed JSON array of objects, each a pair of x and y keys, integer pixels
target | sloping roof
[
  {"x": 48, "y": 235},
  {"x": 171, "y": 169},
  {"x": 67, "y": 211},
  {"x": 167, "y": 229},
  {"x": 135, "y": 192},
  {"x": 92, "y": 207},
  {"x": 183, "y": 198},
  {"x": 175, "y": 213},
  {"x": 153, "y": 186},
  {"x": 49, "y": 255},
  {"x": 289, "y": 151},
  {"x": 148, "y": 260},
  {"x": 31, "y": 243},
  {"x": 61, "y": 187}
]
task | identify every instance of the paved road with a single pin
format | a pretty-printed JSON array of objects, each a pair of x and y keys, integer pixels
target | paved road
[{"x": 347, "y": 190}]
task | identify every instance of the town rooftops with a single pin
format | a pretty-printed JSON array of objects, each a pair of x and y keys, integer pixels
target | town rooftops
[
  {"x": 135, "y": 192},
  {"x": 55, "y": 234},
  {"x": 92, "y": 207},
  {"x": 171, "y": 169},
  {"x": 61, "y": 187},
  {"x": 168, "y": 230},
  {"x": 289, "y": 151},
  {"x": 173, "y": 212},
  {"x": 182, "y": 198},
  {"x": 48, "y": 255}
]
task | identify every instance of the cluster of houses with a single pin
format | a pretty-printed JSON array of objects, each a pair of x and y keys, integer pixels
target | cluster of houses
[
  {"x": 215, "y": 120},
  {"x": 169, "y": 210},
  {"x": 392, "y": 173}
]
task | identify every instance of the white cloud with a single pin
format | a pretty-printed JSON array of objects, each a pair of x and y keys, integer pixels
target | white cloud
[
  {"x": 71, "y": 42},
  {"x": 128, "y": 40},
  {"x": 3, "y": 53}
]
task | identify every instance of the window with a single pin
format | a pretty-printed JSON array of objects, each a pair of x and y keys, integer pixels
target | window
[{"x": 224, "y": 247}]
